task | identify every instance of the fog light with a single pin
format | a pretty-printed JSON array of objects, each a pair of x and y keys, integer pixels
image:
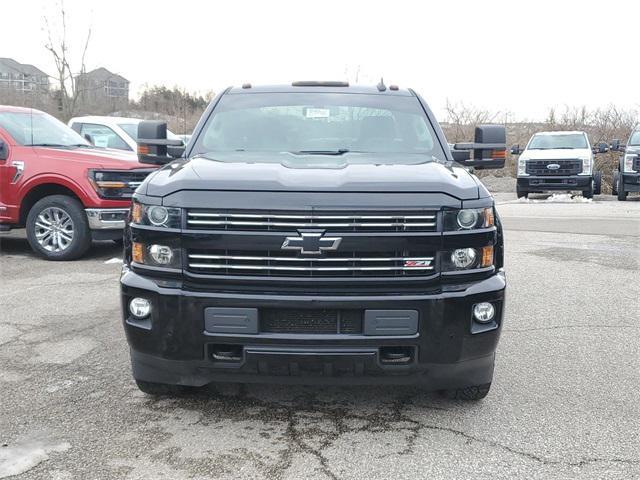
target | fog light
[
  {"x": 140, "y": 307},
  {"x": 484, "y": 312},
  {"x": 161, "y": 254},
  {"x": 158, "y": 216},
  {"x": 463, "y": 257},
  {"x": 467, "y": 218}
]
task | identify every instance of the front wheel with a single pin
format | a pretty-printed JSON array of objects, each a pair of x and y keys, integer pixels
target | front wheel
[
  {"x": 614, "y": 184},
  {"x": 521, "y": 193},
  {"x": 597, "y": 183},
  {"x": 57, "y": 228},
  {"x": 622, "y": 195},
  {"x": 588, "y": 193}
]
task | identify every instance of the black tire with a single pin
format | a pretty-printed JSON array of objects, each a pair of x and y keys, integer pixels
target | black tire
[
  {"x": 622, "y": 195},
  {"x": 597, "y": 183},
  {"x": 521, "y": 193},
  {"x": 473, "y": 392},
  {"x": 158, "y": 389},
  {"x": 589, "y": 192},
  {"x": 614, "y": 183},
  {"x": 81, "y": 235}
]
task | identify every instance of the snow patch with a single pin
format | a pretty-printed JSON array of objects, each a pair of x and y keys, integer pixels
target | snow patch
[
  {"x": 25, "y": 455},
  {"x": 558, "y": 198},
  {"x": 113, "y": 260}
]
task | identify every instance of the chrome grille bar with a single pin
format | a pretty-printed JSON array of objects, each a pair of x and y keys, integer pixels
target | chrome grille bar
[
  {"x": 271, "y": 265},
  {"x": 381, "y": 221},
  {"x": 312, "y": 217},
  {"x": 298, "y": 259},
  {"x": 303, "y": 269},
  {"x": 302, "y": 225}
]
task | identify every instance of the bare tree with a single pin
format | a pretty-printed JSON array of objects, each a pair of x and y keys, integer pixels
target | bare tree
[
  {"x": 462, "y": 119},
  {"x": 66, "y": 76}
]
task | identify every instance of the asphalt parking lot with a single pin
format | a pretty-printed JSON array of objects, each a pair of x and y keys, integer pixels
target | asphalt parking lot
[{"x": 565, "y": 401}]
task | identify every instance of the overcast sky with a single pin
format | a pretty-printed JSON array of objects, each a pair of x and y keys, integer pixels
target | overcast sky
[{"x": 520, "y": 57}]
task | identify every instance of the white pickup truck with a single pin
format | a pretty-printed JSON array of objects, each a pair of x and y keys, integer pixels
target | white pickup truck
[
  {"x": 557, "y": 161},
  {"x": 120, "y": 133}
]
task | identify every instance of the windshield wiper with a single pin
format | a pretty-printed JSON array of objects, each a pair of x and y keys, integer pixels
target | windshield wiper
[
  {"x": 340, "y": 151},
  {"x": 58, "y": 145}
]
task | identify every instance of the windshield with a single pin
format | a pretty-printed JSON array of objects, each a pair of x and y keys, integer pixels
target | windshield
[
  {"x": 635, "y": 138},
  {"x": 131, "y": 129},
  {"x": 548, "y": 142},
  {"x": 39, "y": 129},
  {"x": 305, "y": 124}
]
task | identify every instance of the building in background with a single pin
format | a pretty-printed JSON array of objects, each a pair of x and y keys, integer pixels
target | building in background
[
  {"x": 102, "y": 88},
  {"x": 22, "y": 78}
]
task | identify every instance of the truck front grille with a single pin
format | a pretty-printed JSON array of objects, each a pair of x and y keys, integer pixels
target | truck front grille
[
  {"x": 318, "y": 321},
  {"x": 333, "y": 221},
  {"x": 331, "y": 264},
  {"x": 541, "y": 167}
]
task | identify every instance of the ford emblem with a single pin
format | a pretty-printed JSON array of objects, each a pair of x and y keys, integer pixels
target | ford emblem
[{"x": 553, "y": 166}]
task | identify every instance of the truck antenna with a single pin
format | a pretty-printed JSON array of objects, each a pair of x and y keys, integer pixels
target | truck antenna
[{"x": 381, "y": 86}]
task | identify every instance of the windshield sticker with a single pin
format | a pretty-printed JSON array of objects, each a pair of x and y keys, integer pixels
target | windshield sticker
[{"x": 317, "y": 113}]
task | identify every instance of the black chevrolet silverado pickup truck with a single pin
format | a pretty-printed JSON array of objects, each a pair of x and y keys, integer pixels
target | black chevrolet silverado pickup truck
[{"x": 315, "y": 233}]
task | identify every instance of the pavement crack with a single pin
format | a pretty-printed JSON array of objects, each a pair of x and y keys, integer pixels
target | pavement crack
[{"x": 528, "y": 455}]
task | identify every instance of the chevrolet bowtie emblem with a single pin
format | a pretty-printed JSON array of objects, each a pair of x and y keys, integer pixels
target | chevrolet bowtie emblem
[{"x": 311, "y": 243}]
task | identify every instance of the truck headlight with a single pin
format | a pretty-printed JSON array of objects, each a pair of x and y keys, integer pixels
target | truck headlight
[
  {"x": 522, "y": 167},
  {"x": 628, "y": 162},
  {"x": 156, "y": 255},
  {"x": 467, "y": 258},
  {"x": 587, "y": 166},
  {"x": 462, "y": 258},
  {"x": 156, "y": 215},
  {"x": 468, "y": 219}
]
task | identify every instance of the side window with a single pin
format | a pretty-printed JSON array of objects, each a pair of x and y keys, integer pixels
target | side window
[{"x": 103, "y": 136}]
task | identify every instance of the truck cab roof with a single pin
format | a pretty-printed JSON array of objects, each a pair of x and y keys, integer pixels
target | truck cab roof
[
  {"x": 319, "y": 87},
  {"x": 562, "y": 132}
]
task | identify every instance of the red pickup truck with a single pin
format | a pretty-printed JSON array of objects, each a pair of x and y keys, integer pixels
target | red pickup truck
[{"x": 62, "y": 189}]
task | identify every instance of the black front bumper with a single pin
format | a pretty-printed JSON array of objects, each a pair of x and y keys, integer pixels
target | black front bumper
[
  {"x": 449, "y": 349},
  {"x": 630, "y": 182},
  {"x": 544, "y": 183}
]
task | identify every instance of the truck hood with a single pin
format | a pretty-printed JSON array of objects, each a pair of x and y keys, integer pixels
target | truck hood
[
  {"x": 92, "y": 157},
  {"x": 556, "y": 154},
  {"x": 634, "y": 149},
  {"x": 315, "y": 173}
]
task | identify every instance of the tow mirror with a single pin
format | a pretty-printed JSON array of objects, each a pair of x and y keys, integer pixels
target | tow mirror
[
  {"x": 4, "y": 151},
  {"x": 602, "y": 148},
  {"x": 616, "y": 146},
  {"x": 153, "y": 145},
  {"x": 489, "y": 150},
  {"x": 515, "y": 149}
]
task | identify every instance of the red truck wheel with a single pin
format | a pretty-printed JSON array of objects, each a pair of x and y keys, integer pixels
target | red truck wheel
[{"x": 57, "y": 228}]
